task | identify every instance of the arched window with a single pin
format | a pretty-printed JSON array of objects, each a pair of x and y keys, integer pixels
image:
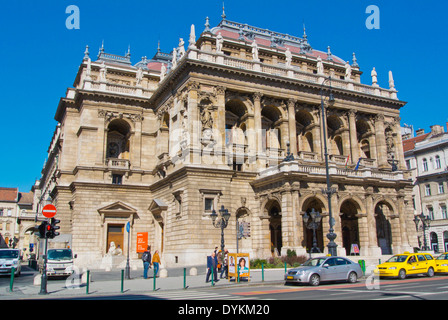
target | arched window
[{"x": 118, "y": 135}]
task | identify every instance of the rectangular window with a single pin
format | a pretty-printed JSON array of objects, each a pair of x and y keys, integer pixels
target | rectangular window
[
  {"x": 427, "y": 190},
  {"x": 117, "y": 179},
  {"x": 441, "y": 189},
  {"x": 408, "y": 164},
  {"x": 208, "y": 204},
  {"x": 431, "y": 213},
  {"x": 444, "y": 212}
]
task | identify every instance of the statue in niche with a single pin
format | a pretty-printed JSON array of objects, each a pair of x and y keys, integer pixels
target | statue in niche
[
  {"x": 255, "y": 51},
  {"x": 206, "y": 119},
  {"x": 139, "y": 76},
  {"x": 374, "y": 77},
  {"x": 219, "y": 42},
  {"x": 390, "y": 143},
  {"x": 207, "y": 126},
  {"x": 348, "y": 71},
  {"x": 288, "y": 57},
  {"x": 320, "y": 65}
]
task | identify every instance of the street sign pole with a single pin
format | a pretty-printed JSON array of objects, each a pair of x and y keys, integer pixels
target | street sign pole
[
  {"x": 128, "y": 269},
  {"x": 49, "y": 211},
  {"x": 43, "y": 281}
]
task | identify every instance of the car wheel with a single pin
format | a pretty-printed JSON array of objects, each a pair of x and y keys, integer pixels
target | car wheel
[
  {"x": 430, "y": 272},
  {"x": 402, "y": 274},
  {"x": 314, "y": 280},
  {"x": 352, "y": 277}
]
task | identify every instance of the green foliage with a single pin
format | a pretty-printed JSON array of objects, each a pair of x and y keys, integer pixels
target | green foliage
[{"x": 291, "y": 259}]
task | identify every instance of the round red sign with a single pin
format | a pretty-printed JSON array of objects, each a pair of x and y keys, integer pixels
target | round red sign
[{"x": 49, "y": 211}]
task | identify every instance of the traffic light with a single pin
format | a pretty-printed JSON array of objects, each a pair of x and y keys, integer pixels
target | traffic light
[
  {"x": 49, "y": 231},
  {"x": 54, "y": 227},
  {"x": 43, "y": 229}
]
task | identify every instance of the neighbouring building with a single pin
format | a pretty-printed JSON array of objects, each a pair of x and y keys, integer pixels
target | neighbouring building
[
  {"x": 426, "y": 155},
  {"x": 162, "y": 144},
  {"x": 15, "y": 207}
]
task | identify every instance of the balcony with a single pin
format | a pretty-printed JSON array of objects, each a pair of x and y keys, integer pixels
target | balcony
[
  {"x": 118, "y": 164},
  {"x": 293, "y": 72},
  {"x": 319, "y": 170}
]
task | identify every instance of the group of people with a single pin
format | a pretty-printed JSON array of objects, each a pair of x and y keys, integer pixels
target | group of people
[
  {"x": 213, "y": 262},
  {"x": 149, "y": 260}
]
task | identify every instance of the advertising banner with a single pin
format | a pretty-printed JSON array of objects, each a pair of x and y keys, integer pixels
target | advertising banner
[
  {"x": 238, "y": 264},
  {"x": 142, "y": 241}
]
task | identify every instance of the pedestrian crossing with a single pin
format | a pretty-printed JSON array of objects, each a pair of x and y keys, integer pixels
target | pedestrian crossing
[{"x": 194, "y": 295}]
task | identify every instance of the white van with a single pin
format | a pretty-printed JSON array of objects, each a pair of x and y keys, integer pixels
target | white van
[
  {"x": 10, "y": 258},
  {"x": 59, "y": 262}
]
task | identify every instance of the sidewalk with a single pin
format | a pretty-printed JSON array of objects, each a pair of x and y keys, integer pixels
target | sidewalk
[{"x": 111, "y": 284}]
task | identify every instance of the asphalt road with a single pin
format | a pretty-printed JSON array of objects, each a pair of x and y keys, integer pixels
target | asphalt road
[{"x": 415, "y": 288}]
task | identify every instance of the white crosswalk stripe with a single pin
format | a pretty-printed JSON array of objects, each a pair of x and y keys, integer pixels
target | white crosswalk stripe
[{"x": 195, "y": 295}]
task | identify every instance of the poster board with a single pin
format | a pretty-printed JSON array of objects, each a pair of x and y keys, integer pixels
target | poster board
[
  {"x": 238, "y": 262},
  {"x": 142, "y": 241},
  {"x": 354, "y": 249}
]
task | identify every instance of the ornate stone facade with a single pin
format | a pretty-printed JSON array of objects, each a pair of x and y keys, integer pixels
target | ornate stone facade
[{"x": 164, "y": 143}]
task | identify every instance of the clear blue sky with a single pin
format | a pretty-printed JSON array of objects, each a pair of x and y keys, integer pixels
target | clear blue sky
[{"x": 40, "y": 56}]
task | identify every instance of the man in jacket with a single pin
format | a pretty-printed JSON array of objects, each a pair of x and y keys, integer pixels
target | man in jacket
[
  {"x": 146, "y": 258},
  {"x": 212, "y": 263}
]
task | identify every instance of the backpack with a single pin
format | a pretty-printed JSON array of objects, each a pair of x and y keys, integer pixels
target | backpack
[{"x": 146, "y": 256}]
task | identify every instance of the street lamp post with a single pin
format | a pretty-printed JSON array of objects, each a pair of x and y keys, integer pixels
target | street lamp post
[
  {"x": 329, "y": 190},
  {"x": 426, "y": 223},
  {"x": 314, "y": 225},
  {"x": 221, "y": 223}
]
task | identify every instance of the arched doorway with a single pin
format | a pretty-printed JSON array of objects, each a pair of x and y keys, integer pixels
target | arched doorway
[
  {"x": 383, "y": 227},
  {"x": 434, "y": 242},
  {"x": 445, "y": 240},
  {"x": 349, "y": 225},
  {"x": 275, "y": 226},
  {"x": 308, "y": 206}
]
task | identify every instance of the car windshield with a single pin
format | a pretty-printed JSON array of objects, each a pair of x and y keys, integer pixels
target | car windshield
[
  {"x": 399, "y": 258},
  {"x": 9, "y": 254},
  {"x": 59, "y": 254},
  {"x": 443, "y": 257},
  {"x": 314, "y": 262}
]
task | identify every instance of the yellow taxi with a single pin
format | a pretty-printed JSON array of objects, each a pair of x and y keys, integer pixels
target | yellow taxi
[
  {"x": 442, "y": 263},
  {"x": 402, "y": 265}
]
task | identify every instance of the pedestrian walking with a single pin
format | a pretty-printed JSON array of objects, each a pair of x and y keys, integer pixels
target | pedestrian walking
[
  {"x": 146, "y": 258},
  {"x": 225, "y": 268},
  {"x": 212, "y": 263},
  {"x": 156, "y": 262}
]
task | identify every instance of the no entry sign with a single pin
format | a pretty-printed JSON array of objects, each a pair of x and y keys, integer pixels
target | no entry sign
[{"x": 49, "y": 211}]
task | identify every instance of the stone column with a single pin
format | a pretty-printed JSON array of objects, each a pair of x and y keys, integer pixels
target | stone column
[
  {"x": 292, "y": 126},
  {"x": 380, "y": 139},
  {"x": 399, "y": 154},
  {"x": 220, "y": 122},
  {"x": 257, "y": 127},
  {"x": 374, "y": 250},
  {"x": 402, "y": 220},
  {"x": 194, "y": 127},
  {"x": 353, "y": 137}
]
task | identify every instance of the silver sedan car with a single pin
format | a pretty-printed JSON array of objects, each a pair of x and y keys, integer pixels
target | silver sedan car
[{"x": 316, "y": 270}]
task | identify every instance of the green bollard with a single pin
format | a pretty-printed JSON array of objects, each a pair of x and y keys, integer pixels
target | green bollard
[
  {"x": 285, "y": 268},
  {"x": 212, "y": 278},
  {"x": 88, "y": 282},
  {"x": 262, "y": 272},
  {"x": 238, "y": 274},
  {"x": 122, "y": 281},
  {"x": 154, "y": 286},
  {"x": 185, "y": 278},
  {"x": 11, "y": 283}
]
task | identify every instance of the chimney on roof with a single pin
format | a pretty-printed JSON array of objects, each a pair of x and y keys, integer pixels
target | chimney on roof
[
  {"x": 419, "y": 132},
  {"x": 437, "y": 129}
]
